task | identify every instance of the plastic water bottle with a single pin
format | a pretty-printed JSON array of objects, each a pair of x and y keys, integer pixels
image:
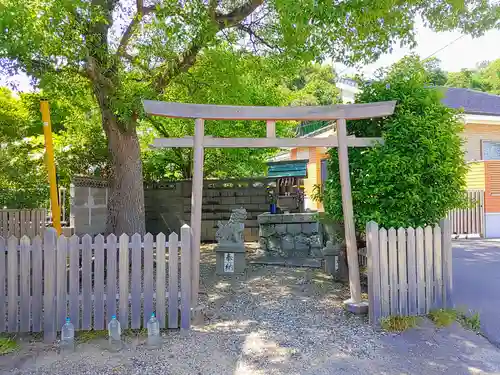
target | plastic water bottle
[
  {"x": 154, "y": 338},
  {"x": 114, "y": 334},
  {"x": 68, "y": 337}
]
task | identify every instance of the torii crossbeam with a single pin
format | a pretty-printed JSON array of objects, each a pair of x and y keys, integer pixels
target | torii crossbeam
[{"x": 199, "y": 141}]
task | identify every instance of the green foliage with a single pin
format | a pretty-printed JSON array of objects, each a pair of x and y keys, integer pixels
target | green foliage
[
  {"x": 490, "y": 77},
  {"x": 443, "y": 317},
  {"x": 8, "y": 345},
  {"x": 446, "y": 317},
  {"x": 317, "y": 193},
  {"x": 397, "y": 323},
  {"x": 79, "y": 146},
  {"x": 418, "y": 174},
  {"x": 486, "y": 77},
  {"x": 468, "y": 79},
  {"x": 313, "y": 85},
  {"x": 470, "y": 320},
  {"x": 220, "y": 76},
  {"x": 436, "y": 75}
]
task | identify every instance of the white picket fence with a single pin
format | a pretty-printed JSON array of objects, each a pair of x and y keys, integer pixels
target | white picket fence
[
  {"x": 44, "y": 281},
  {"x": 409, "y": 270}
]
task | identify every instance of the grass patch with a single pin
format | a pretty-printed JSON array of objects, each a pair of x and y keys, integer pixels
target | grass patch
[
  {"x": 8, "y": 345},
  {"x": 443, "y": 317},
  {"x": 87, "y": 336},
  {"x": 399, "y": 323},
  {"x": 134, "y": 332},
  {"x": 470, "y": 320},
  {"x": 446, "y": 317}
]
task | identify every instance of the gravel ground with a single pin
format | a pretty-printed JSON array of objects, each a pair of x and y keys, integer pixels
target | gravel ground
[{"x": 273, "y": 320}]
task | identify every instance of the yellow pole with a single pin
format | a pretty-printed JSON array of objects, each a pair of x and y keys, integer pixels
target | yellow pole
[{"x": 51, "y": 168}]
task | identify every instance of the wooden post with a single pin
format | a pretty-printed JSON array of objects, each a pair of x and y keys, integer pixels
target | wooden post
[
  {"x": 271, "y": 129},
  {"x": 447, "y": 263},
  {"x": 373, "y": 252},
  {"x": 350, "y": 232},
  {"x": 196, "y": 203}
]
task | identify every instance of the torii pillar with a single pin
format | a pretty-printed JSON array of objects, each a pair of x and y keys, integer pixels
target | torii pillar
[{"x": 340, "y": 113}]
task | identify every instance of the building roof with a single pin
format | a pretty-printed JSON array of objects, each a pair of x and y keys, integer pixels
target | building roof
[
  {"x": 287, "y": 168},
  {"x": 471, "y": 101}
]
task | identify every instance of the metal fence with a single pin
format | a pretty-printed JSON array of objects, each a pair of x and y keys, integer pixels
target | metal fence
[{"x": 42, "y": 281}]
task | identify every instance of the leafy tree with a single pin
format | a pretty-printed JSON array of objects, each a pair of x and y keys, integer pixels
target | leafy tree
[
  {"x": 313, "y": 85},
  {"x": 220, "y": 76},
  {"x": 13, "y": 116},
  {"x": 79, "y": 147},
  {"x": 418, "y": 174},
  {"x": 126, "y": 52},
  {"x": 490, "y": 77},
  {"x": 437, "y": 76},
  {"x": 468, "y": 79}
]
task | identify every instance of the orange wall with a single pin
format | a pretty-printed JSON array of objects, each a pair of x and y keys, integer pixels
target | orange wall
[
  {"x": 492, "y": 191},
  {"x": 473, "y": 135}
]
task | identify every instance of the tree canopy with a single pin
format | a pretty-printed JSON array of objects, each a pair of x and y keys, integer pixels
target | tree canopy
[
  {"x": 418, "y": 174},
  {"x": 485, "y": 77},
  {"x": 121, "y": 52},
  {"x": 79, "y": 146}
]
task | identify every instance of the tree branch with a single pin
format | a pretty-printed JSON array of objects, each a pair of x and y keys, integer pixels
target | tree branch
[
  {"x": 171, "y": 69},
  {"x": 237, "y": 15},
  {"x": 252, "y": 33},
  {"x": 129, "y": 31},
  {"x": 134, "y": 60}
]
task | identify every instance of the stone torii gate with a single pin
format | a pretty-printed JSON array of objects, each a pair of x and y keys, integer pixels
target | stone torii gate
[{"x": 340, "y": 113}]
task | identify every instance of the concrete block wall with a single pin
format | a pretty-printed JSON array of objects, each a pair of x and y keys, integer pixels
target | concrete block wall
[
  {"x": 168, "y": 205},
  {"x": 88, "y": 206}
]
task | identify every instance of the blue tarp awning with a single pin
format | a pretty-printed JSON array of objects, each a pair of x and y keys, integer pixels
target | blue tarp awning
[{"x": 288, "y": 168}]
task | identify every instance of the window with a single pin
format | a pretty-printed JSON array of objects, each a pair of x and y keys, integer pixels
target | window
[{"x": 491, "y": 150}]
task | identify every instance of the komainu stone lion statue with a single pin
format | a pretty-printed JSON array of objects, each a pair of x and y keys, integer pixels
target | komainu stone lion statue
[{"x": 232, "y": 231}]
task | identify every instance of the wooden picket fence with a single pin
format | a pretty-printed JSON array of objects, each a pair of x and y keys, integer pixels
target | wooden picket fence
[
  {"x": 469, "y": 221},
  {"x": 44, "y": 281},
  {"x": 409, "y": 270},
  {"x": 14, "y": 222}
]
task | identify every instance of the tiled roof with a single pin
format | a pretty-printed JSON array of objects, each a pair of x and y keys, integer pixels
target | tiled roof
[{"x": 472, "y": 102}]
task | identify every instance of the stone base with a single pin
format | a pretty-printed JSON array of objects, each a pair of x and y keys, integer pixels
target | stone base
[
  {"x": 230, "y": 260},
  {"x": 287, "y": 262},
  {"x": 198, "y": 315},
  {"x": 357, "y": 308}
]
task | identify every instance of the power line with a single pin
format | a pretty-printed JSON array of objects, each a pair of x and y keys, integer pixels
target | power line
[
  {"x": 432, "y": 54},
  {"x": 446, "y": 46}
]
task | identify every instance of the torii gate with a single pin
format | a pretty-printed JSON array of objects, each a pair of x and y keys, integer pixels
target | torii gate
[{"x": 340, "y": 113}]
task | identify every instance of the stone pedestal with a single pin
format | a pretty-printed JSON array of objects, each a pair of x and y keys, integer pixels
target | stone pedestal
[
  {"x": 331, "y": 255},
  {"x": 230, "y": 251},
  {"x": 357, "y": 308},
  {"x": 295, "y": 235},
  {"x": 230, "y": 259}
]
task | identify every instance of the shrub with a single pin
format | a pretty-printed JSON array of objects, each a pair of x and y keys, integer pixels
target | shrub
[{"x": 418, "y": 174}]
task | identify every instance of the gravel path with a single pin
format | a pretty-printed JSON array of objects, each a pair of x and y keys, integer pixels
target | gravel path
[{"x": 274, "y": 321}]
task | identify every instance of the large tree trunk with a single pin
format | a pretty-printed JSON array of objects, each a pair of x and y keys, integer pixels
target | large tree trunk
[{"x": 126, "y": 197}]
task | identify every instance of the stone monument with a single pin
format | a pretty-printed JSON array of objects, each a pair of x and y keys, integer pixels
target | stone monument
[{"x": 230, "y": 250}]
